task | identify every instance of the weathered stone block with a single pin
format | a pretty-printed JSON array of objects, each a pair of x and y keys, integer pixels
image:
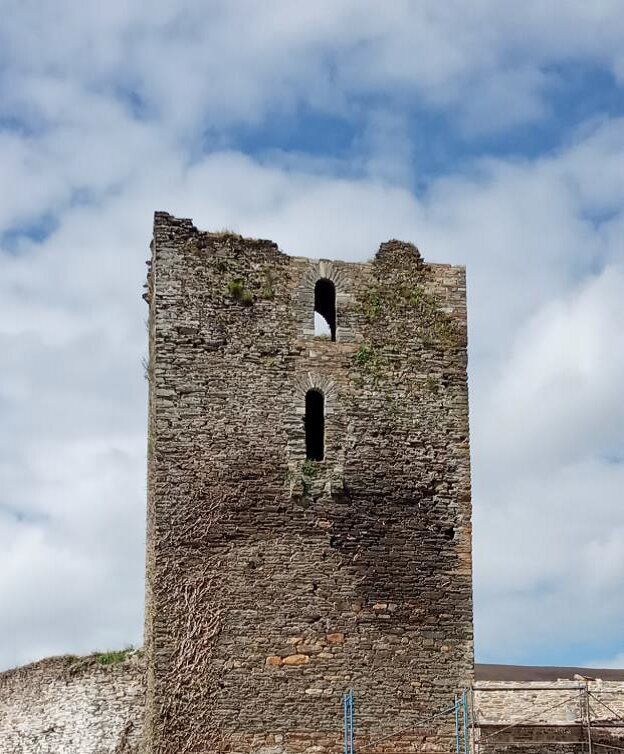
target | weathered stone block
[{"x": 296, "y": 660}]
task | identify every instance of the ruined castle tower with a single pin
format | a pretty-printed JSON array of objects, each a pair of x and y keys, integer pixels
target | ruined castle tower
[{"x": 309, "y": 497}]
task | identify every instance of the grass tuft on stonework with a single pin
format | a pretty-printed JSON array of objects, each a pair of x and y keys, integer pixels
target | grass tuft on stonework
[
  {"x": 238, "y": 292},
  {"x": 224, "y": 233},
  {"x": 114, "y": 656},
  {"x": 268, "y": 286}
]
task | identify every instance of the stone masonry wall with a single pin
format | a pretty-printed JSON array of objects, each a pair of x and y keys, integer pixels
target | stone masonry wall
[
  {"x": 276, "y": 583},
  {"x": 70, "y": 705}
]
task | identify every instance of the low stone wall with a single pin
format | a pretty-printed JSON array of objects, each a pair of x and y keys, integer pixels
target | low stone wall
[{"x": 69, "y": 705}]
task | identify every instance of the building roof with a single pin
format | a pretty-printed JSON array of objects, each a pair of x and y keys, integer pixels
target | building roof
[{"x": 486, "y": 672}]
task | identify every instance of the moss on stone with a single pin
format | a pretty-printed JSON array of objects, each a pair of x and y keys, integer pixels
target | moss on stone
[
  {"x": 370, "y": 360},
  {"x": 371, "y": 304},
  {"x": 386, "y": 299},
  {"x": 309, "y": 468},
  {"x": 363, "y": 355}
]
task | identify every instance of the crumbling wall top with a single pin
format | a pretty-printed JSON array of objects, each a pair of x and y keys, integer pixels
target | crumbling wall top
[{"x": 390, "y": 253}]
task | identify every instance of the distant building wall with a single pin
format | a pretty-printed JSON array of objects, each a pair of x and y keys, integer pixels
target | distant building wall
[
  {"x": 549, "y": 717},
  {"x": 72, "y": 706},
  {"x": 275, "y": 583}
]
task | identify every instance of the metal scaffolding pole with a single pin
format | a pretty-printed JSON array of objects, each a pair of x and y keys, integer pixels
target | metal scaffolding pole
[
  {"x": 587, "y": 716},
  {"x": 347, "y": 707},
  {"x": 456, "y": 725}
]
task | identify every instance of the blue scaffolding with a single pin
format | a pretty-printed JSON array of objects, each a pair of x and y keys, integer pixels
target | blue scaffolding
[
  {"x": 462, "y": 723},
  {"x": 348, "y": 705},
  {"x": 462, "y": 709}
]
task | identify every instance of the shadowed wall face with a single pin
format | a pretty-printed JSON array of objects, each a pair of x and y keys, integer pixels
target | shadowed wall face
[{"x": 294, "y": 554}]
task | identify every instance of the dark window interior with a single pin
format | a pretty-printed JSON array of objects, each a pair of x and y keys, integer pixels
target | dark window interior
[
  {"x": 325, "y": 303},
  {"x": 315, "y": 425}
]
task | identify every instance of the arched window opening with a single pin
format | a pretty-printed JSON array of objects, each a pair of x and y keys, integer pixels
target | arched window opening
[
  {"x": 325, "y": 308},
  {"x": 315, "y": 425}
]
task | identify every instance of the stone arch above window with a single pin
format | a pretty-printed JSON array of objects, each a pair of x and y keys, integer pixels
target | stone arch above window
[
  {"x": 316, "y": 304},
  {"x": 328, "y": 475},
  {"x": 311, "y": 381}
]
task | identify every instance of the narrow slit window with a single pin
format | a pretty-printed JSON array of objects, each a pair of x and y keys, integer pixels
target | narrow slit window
[
  {"x": 325, "y": 309},
  {"x": 315, "y": 425}
]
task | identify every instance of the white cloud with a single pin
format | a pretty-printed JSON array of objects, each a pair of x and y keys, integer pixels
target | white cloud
[
  {"x": 541, "y": 239},
  {"x": 557, "y": 395},
  {"x": 235, "y": 62},
  {"x": 71, "y": 576}
]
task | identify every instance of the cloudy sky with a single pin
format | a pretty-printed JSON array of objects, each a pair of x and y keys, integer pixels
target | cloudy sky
[{"x": 491, "y": 134}]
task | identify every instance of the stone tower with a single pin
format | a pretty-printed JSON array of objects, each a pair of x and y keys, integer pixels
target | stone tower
[{"x": 308, "y": 498}]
